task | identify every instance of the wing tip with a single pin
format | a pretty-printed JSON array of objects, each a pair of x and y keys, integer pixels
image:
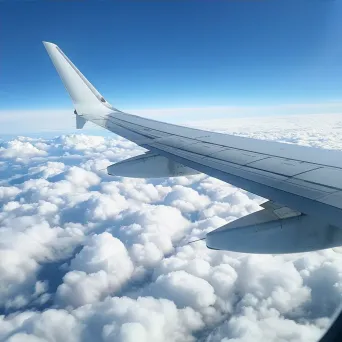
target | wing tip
[{"x": 48, "y": 44}]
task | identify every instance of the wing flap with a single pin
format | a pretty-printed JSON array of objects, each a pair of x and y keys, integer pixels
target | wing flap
[
  {"x": 275, "y": 230},
  {"x": 328, "y": 176},
  {"x": 149, "y": 165}
]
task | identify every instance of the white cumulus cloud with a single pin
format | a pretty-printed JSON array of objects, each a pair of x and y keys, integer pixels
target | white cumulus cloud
[{"x": 86, "y": 256}]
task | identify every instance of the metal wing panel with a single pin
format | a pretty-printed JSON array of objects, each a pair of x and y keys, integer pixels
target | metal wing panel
[
  {"x": 204, "y": 149},
  {"x": 307, "y": 186},
  {"x": 306, "y": 205},
  {"x": 324, "y": 176},
  {"x": 333, "y": 199},
  {"x": 286, "y": 167},
  {"x": 177, "y": 141},
  {"x": 245, "y": 165},
  {"x": 189, "y": 145},
  {"x": 304, "y": 189},
  {"x": 270, "y": 148},
  {"x": 262, "y": 177},
  {"x": 240, "y": 157}
]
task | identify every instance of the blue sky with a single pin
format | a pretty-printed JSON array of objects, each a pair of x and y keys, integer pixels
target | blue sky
[{"x": 174, "y": 54}]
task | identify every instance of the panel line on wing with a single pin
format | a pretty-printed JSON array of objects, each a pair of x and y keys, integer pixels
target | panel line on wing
[
  {"x": 304, "y": 204},
  {"x": 150, "y": 142},
  {"x": 123, "y": 121}
]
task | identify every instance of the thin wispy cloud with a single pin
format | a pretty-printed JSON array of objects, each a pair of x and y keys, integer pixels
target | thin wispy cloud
[{"x": 61, "y": 121}]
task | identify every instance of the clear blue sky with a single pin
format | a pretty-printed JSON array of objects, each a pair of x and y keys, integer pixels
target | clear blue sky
[{"x": 178, "y": 53}]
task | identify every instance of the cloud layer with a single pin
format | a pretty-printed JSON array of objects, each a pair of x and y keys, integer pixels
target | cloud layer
[
  {"x": 28, "y": 122},
  {"x": 108, "y": 259}
]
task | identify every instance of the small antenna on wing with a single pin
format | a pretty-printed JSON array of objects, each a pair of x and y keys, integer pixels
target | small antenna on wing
[
  {"x": 190, "y": 242},
  {"x": 195, "y": 241}
]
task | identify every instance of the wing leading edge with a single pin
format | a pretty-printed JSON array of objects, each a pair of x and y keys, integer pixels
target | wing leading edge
[{"x": 304, "y": 183}]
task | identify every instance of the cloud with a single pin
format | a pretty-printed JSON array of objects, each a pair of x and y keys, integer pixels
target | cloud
[
  {"x": 184, "y": 289},
  {"x": 21, "y": 150},
  {"x": 107, "y": 258},
  {"x": 103, "y": 265},
  {"x": 52, "y": 121}
]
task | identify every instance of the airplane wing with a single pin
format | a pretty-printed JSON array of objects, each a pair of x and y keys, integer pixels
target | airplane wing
[{"x": 303, "y": 184}]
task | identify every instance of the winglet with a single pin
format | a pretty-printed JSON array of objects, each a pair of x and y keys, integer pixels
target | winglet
[{"x": 83, "y": 94}]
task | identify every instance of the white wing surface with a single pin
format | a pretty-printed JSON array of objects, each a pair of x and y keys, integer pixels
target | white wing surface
[{"x": 303, "y": 184}]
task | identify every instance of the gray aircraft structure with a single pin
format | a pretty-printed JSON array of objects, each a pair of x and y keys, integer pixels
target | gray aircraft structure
[{"x": 303, "y": 184}]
